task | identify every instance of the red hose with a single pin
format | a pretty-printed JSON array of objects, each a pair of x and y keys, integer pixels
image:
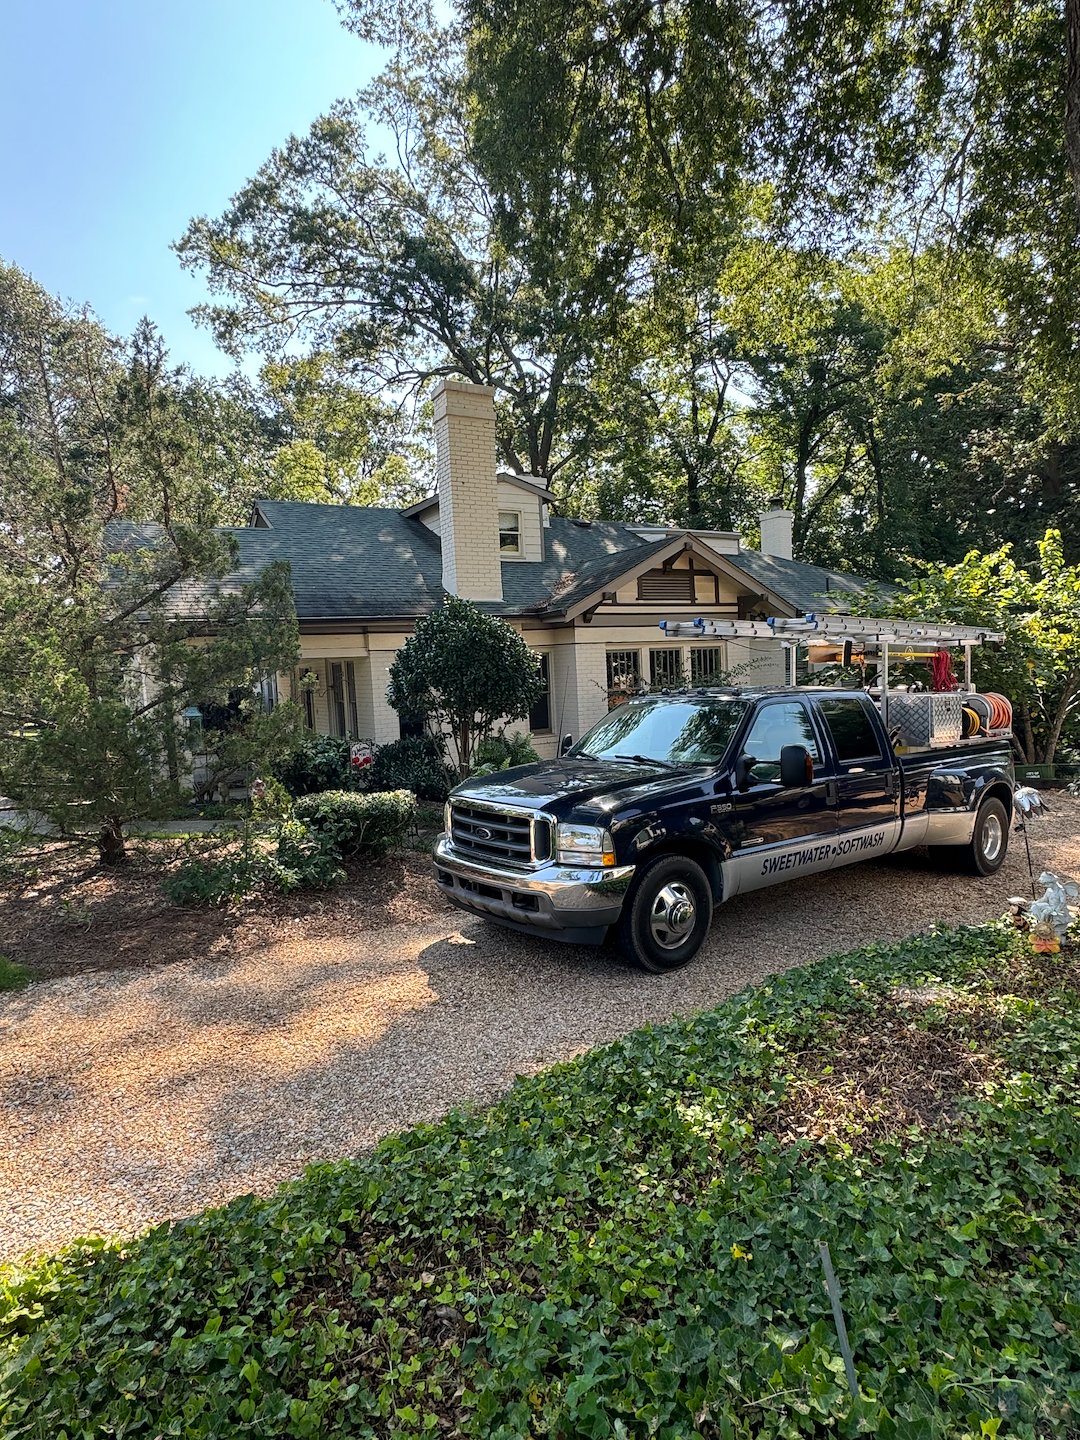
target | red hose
[{"x": 941, "y": 672}]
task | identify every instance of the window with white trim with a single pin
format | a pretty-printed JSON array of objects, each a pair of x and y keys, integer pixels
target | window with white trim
[
  {"x": 623, "y": 674},
  {"x": 509, "y": 532}
]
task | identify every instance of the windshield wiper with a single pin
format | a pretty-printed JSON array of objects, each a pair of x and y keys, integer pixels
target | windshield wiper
[{"x": 645, "y": 760}]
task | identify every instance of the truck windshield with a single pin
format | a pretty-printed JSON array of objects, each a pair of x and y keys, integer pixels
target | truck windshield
[{"x": 669, "y": 732}]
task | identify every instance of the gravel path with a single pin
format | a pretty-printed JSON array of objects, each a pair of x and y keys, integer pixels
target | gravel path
[{"x": 132, "y": 1096}]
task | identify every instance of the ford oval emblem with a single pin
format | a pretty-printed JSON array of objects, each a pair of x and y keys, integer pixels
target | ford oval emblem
[{"x": 482, "y": 833}]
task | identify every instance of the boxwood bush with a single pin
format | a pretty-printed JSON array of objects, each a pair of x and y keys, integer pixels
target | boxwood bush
[
  {"x": 416, "y": 763},
  {"x": 359, "y": 824},
  {"x": 625, "y": 1247},
  {"x": 321, "y": 762}
]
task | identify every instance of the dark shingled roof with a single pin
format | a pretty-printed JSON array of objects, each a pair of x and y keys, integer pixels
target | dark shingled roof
[{"x": 366, "y": 562}]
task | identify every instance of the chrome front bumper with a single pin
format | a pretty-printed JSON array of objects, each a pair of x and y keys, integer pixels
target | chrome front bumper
[{"x": 565, "y": 902}]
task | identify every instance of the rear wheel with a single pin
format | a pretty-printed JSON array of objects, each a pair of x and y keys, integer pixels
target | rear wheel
[
  {"x": 989, "y": 844},
  {"x": 666, "y": 915}
]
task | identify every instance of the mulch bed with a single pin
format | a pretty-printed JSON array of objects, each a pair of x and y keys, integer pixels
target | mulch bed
[{"x": 63, "y": 913}]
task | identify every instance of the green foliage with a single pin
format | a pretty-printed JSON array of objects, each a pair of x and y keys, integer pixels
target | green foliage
[
  {"x": 416, "y": 763},
  {"x": 12, "y": 975},
  {"x": 215, "y": 881},
  {"x": 320, "y": 762},
  {"x": 500, "y": 752},
  {"x": 463, "y": 671},
  {"x": 621, "y": 1247},
  {"x": 305, "y": 858},
  {"x": 1038, "y": 666},
  {"x": 369, "y": 825},
  {"x": 104, "y": 524}
]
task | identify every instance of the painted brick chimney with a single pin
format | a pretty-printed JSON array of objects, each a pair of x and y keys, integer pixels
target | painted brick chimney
[
  {"x": 777, "y": 529},
  {"x": 468, "y": 494}
]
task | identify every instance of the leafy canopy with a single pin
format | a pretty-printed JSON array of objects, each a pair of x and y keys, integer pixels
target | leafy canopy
[
  {"x": 463, "y": 672},
  {"x": 111, "y": 620}
]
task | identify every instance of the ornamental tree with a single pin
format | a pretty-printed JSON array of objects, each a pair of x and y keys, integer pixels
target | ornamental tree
[
  {"x": 464, "y": 672},
  {"x": 113, "y": 617}
]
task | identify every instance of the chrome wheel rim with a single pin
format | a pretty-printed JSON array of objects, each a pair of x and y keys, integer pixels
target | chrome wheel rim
[
  {"x": 993, "y": 837},
  {"x": 672, "y": 915}
]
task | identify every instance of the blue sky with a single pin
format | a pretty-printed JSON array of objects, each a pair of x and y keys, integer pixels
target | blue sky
[{"x": 124, "y": 118}]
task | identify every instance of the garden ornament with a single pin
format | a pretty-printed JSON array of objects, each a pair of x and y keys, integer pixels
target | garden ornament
[
  {"x": 1028, "y": 804},
  {"x": 1052, "y": 909}
]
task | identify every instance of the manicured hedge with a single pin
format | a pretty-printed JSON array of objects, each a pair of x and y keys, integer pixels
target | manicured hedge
[
  {"x": 623, "y": 1247},
  {"x": 358, "y": 824}
]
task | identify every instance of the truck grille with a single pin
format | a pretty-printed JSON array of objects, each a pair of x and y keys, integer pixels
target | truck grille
[{"x": 507, "y": 837}]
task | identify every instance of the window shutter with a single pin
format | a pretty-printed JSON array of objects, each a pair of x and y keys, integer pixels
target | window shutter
[{"x": 669, "y": 585}]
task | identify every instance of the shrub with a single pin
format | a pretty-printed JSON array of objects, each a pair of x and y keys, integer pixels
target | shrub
[
  {"x": 416, "y": 763},
  {"x": 305, "y": 859},
  {"x": 359, "y": 824},
  {"x": 502, "y": 752},
  {"x": 214, "y": 882},
  {"x": 320, "y": 762},
  {"x": 464, "y": 671}
]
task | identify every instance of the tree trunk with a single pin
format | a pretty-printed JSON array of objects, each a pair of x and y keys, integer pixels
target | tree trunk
[
  {"x": 1060, "y": 716},
  {"x": 1027, "y": 737},
  {"x": 1072, "y": 95},
  {"x": 110, "y": 841}
]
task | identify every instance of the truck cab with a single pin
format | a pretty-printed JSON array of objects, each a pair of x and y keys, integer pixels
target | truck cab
[{"x": 675, "y": 803}]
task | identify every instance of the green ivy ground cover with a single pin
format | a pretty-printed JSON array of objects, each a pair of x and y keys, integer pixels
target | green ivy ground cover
[{"x": 628, "y": 1245}]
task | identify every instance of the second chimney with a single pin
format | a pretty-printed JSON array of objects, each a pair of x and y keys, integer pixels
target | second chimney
[
  {"x": 468, "y": 490},
  {"x": 777, "y": 530}
]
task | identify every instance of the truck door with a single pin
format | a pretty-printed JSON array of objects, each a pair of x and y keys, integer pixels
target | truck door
[
  {"x": 780, "y": 832},
  {"x": 867, "y": 792}
]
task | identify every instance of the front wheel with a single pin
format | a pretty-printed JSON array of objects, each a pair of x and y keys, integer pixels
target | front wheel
[
  {"x": 666, "y": 915},
  {"x": 985, "y": 853}
]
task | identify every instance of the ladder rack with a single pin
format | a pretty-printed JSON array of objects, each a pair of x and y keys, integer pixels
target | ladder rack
[{"x": 791, "y": 633}]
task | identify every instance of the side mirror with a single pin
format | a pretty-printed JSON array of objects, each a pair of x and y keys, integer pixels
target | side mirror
[
  {"x": 796, "y": 767},
  {"x": 743, "y": 765},
  {"x": 565, "y": 744}
]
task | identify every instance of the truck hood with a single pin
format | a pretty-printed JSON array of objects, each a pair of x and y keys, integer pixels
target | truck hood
[{"x": 560, "y": 786}]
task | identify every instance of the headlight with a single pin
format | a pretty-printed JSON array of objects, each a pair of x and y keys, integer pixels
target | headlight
[
  {"x": 585, "y": 845},
  {"x": 446, "y": 817}
]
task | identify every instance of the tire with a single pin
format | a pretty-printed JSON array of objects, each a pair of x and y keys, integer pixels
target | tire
[
  {"x": 666, "y": 915},
  {"x": 985, "y": 853}
]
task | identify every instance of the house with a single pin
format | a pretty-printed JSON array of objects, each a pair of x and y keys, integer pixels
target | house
[{"x": 587, "y": 596}]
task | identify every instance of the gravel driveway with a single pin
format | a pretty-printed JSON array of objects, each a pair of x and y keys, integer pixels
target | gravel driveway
[{"x": 132, "y": 1096}]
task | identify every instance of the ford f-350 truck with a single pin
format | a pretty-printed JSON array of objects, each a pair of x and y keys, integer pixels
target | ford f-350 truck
[{"x": 675, "y": 803}]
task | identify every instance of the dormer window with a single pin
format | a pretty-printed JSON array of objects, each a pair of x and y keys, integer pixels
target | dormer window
[{"x": 509, "y": 532}]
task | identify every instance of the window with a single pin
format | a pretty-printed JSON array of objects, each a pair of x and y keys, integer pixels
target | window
[
  {"x": 268, "y": 692},
  {"x": 309, "y": 709},
  {"x": 694, "y": 731},
  {"x": 777, "y": 726},
  {"x": 350, "y": 697},
  {"x": 666, "y": 585},
  {"x": 851, "y": 729},
  {"x": 337, "y": 699},
  {"x": 509, "y": 532},
  {"x": 665, "y": 668},
  {"x": 706, "y": 664},
  {"x": 623, "y": 674},
  {"x": 540, "y": 714}
]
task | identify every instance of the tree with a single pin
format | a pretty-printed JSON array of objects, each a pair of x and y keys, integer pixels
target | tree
[
  {"x": 463, "y": 672},
  {"x": 403, "y": 270},
  {"x": 111, "y": 617},
  {"x": 1038, "y": 665}
]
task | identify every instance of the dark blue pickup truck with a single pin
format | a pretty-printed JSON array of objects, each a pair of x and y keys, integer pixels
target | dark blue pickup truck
[{"x": 675, "y": 803}]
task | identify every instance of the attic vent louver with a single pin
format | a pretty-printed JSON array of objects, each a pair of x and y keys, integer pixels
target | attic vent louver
[{"x": 670, "y": 585}]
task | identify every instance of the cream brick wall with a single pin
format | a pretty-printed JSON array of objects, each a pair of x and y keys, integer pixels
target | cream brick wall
[{"x": 468, "y": 491}]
